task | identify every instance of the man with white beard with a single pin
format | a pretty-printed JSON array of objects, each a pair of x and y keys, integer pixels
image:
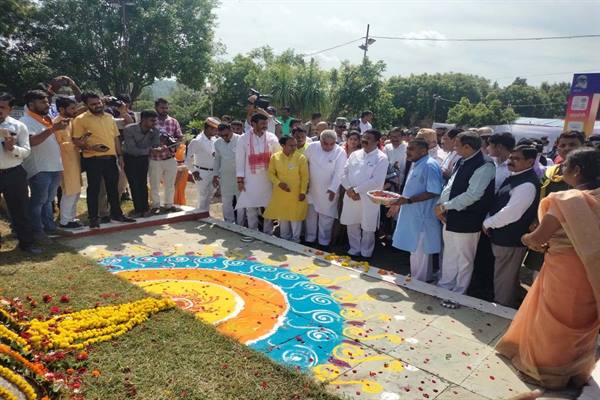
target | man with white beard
[
  {"x": 252, "y": 156},
  {"x": 365, "y": 170},
  {"x": 326, "y": 162}
]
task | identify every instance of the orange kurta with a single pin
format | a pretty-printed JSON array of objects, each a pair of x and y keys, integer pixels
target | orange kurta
[
  {"x": 182, "y": 176},
  {"x": 553, "y": 337}
]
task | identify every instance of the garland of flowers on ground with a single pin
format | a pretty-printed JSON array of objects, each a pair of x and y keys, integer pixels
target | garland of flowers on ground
[{"x": 28, "y": 347}]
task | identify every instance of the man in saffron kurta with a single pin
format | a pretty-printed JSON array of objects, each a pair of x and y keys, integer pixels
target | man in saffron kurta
[
  {"x": 288, "y": 171},
  {"x": 252, "y": 157},
  {"x": 71, "y": 158}
]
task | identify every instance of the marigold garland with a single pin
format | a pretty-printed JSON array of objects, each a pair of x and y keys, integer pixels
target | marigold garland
[
  {"x": 13, "y": 337},
  {"x": 7, "y": 394},
  {"x": 80, "y": 329},
  {"x": 19, "y": 382},
  {"x": 36, "y": 368}
]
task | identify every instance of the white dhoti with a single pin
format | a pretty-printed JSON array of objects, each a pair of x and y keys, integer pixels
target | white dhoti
[
  {"x": 205, "y": 190},
  {"x": 320, "y": 224},
  {"x": 68, "y": 208},
  {"x": 361, "y": 242},
  {"x": 252, "y": 214},
  {"x": 290, "y": 230},
  {"x": 420, "y": 262},
  {"x": 459, "y": 256}
]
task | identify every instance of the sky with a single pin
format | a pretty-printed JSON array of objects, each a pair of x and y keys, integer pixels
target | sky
[{"x": 312, "y": 25}]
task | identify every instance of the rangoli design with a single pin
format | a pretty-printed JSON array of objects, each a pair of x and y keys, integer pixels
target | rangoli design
[{"x": 271, "y": 309}]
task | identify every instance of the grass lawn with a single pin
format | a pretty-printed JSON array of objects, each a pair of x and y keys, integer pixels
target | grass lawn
[{"x": 171, "y": 356}]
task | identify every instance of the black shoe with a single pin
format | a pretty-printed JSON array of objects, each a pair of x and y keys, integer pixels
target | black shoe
[
  {"x": 105, "y": 220},
  {"x": 94, "y": 223},
  {"x": 72, "y": 225},
  {"x": 171, "y": 209},
  {"x": 155, "y": 211},
  {"x": 122, "y": 218},
  {"x": 31, "y": 249}
]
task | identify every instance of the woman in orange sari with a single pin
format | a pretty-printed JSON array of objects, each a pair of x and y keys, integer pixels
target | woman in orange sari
[
  {"x": 553, "y": 338},
  {"x": 181, "y": 178}
]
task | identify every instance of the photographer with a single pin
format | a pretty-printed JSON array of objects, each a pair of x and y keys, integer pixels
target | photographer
[
  {"x": 120, "y": 108},
  {"x": 163, "y": 166},
  {"x": 14, "y": 147},
  {"x": 258, "y": 103}
]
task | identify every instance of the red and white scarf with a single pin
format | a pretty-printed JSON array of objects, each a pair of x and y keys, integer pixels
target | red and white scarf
[{"x": 258, "y": 160}]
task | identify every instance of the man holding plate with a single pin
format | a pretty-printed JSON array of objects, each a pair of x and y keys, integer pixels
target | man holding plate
[{"x": 418, "y": 230}]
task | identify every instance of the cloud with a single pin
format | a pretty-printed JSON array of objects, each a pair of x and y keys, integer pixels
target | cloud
[{"x": 337, "y": 24}]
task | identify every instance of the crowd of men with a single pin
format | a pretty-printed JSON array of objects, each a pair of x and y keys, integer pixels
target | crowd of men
[{"x": 466, "y": 196}]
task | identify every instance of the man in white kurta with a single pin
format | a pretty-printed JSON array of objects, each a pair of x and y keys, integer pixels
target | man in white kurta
[
  {"x": 252, "y": 157},
  {"x": 224, "y": 172},
  {"x": 365, "y": 170},
  {"x": 326, "y": 162},
  {"x": 200, "y": 160}
]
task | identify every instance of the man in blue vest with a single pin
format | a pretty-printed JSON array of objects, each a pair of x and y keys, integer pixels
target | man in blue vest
[
  {"x": 463, "y": 205},
  {"x": 513, "y": 210}
]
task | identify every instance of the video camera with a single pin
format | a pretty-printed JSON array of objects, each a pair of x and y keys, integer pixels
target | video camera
[
  {"x": 112, "y": 101},
  {"x": 262, "y": 101}
]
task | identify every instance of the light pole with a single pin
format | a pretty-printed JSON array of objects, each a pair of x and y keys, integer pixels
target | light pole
[
  {"x": 436, "y": 98},
  {"x": 123, "y": 4},
  {"x": 368, "y": 41}
]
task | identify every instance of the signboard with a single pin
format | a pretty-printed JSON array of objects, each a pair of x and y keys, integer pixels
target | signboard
[{"x": 583, "y": 103}]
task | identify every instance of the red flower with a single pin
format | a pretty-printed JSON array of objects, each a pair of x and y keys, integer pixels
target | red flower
[
  {"x": 65, "y": 298},
  {"x": 47, "y": 298},
  {"x": 82, "y": 356},
  {"x": 54, "y": 310}
]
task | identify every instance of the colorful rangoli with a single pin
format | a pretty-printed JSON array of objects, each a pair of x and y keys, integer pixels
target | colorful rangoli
[{"x": 270, "y": 309}]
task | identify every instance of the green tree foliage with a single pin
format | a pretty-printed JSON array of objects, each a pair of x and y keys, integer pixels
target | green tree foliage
[
  {"x": 466, "y": 113},
  {"x": 415, "y": 93},
  {"x": 123, "y": 49}
]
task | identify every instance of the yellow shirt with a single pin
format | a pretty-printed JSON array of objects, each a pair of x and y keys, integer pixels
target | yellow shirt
[
  {"x": 103, "y": 129},
  {"x": 69, "y": 153},
  {"x": 293, "y": 171}
]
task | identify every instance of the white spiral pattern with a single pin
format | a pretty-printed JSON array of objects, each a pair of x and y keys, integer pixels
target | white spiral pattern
[
  {"x": 233, "y": 263},
  {"x": 322, "y": 316},
  {"x": 322, "y": 335},
  {"x": 316, "y": 298},
  {"x": 301, "y": 355}
]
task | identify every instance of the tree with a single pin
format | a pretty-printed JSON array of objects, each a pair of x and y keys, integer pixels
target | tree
[
  {"x": 466, "y": 113},
  {"x": 125, "y": 48},
  {"x": 415, "y": 93},
  {"x": 233, "y": 79},
  {"x": 20, "y": 67}
]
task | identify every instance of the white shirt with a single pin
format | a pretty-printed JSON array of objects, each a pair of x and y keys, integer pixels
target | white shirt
[
  {"x": 449, "y": 162},
  {"x": 521, "y": 198},
  {"x": 363, "y": 172},
  {"x": 14, "y": 158},
  {"x": 364, "y": 126},
  {"x": 325, "y": 169},
  {"x": 224, "y": 166},
  {"x": 258, "y": 186},
  {"x": 502, "y": 173},
  {"x": 438, "y": 154},
  {"x": 45, "y": 157},
  {"x": 397, "y": 159},
  {"x": 200, "y": 153}
]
